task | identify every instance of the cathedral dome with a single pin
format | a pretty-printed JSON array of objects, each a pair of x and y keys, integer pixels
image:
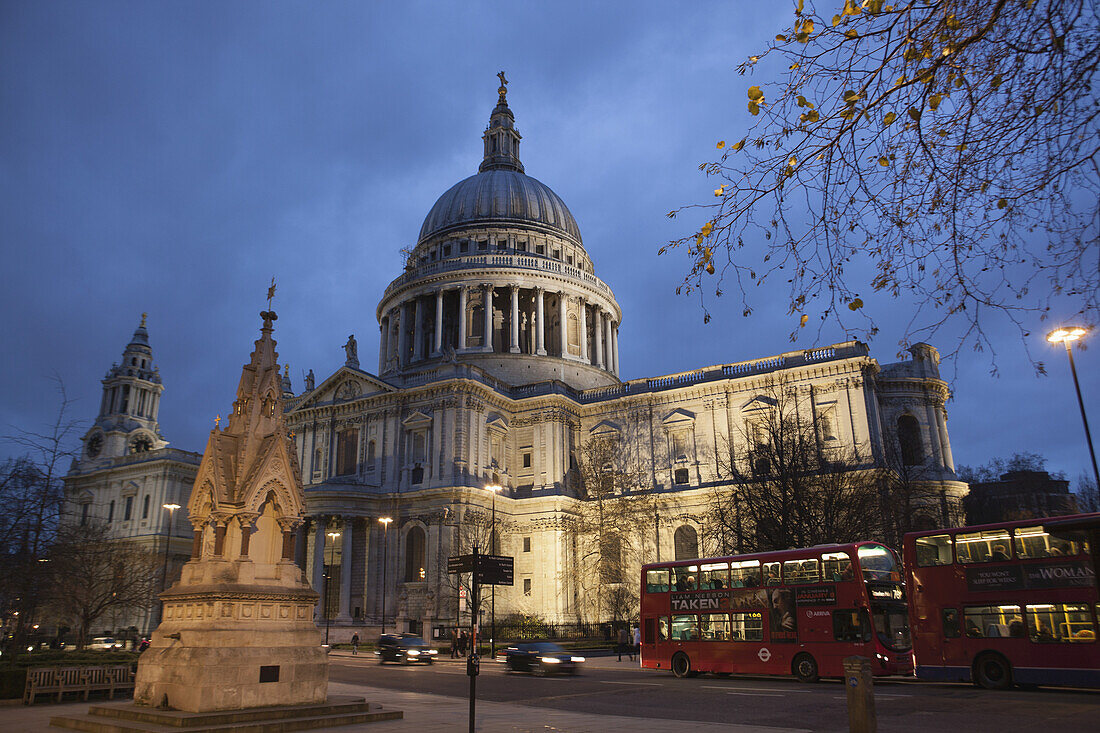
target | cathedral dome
[{"x": 500, "y": 196}]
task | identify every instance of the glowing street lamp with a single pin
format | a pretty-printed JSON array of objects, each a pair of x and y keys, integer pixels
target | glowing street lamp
[
  {"x": 385, "y": 561},
  {"x": 171, "y": 507},
  {"x": 496, "y": 489},
  {"x": 1067, "y": 335},
  {"x": 332, "y": 536}
]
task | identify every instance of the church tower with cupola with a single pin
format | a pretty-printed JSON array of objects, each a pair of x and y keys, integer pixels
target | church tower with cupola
[{"x": 127, "y": 421}]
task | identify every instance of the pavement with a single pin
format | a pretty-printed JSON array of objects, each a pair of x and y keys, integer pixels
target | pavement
[{"x": 440, "y": 714}]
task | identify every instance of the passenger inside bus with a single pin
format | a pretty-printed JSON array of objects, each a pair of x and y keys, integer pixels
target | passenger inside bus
[{"x": 1000, "y": 554}]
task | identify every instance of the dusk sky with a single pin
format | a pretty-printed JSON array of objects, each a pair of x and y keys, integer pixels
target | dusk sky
[{"x": 171, "y": 158}]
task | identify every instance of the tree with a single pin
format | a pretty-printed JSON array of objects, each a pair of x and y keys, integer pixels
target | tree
[
  {"x": 94, "y": 573},
  {"x": 606, "y": 527},
  {"x": 787, "y": 488},
  {"x": 1088, "y": 497},
  {"x": 997, "y": 467},
  {"x": 944, "y": 148},
  {"x": 911, "y": 500},
  {"x": 31, "y": 498}
]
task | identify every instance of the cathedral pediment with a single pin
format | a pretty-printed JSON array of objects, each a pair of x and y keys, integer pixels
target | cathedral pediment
[
  {"x": 679, "y": 417},
  {"x": 497, "y": 423},
  {"x": 760, "y": 402},
  {"x": 605, "y": 429},
  {"x": 346, "y": 384},
  {"x": 417, "y": 420}
]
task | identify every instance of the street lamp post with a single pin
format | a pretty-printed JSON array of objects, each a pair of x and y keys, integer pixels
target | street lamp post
[
  {"x": 1067, "y": 335},
  {"x": 495, "y": 488},
  {"x": 332, "y": 536},
  {"x": 385, "y": 562},
  {"x": 164, "y": 572}
]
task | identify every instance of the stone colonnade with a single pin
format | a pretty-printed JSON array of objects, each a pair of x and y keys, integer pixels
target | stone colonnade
[{"x": 519, "y": 321}]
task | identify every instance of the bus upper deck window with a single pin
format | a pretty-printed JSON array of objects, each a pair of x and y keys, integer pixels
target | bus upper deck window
[
  {"x": 745, "y": 573},
  {"x": 1033, "y": 542},
  {"x": 714, "y": 576},
  {"x": 992, "y": 545},
  {"x": 656, "y": 581},
  {"x": 877, "y": 563},
  {"x": 934, "y": 550},
  {"x": 837, "y": 566},
  {"x": 686, "y": 577},
  {"x": 771, "y": 573}
]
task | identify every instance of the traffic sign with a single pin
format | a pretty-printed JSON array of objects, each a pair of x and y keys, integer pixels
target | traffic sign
[
  {"x": 495, "y": 570},
  {"x": 460, "y": 564}
]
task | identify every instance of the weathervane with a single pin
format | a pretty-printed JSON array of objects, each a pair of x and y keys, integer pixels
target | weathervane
[
  {"x": 271, "y": 292},
  {"x": 503, "y": 87}
]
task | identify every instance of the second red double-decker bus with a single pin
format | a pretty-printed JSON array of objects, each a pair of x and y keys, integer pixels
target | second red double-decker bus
[
  {"x": 1003, "y": 603},
  {"x": 797, "y": 612}
]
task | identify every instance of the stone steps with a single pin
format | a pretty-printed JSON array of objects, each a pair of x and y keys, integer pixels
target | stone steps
[{"x": 129, "y": 718}]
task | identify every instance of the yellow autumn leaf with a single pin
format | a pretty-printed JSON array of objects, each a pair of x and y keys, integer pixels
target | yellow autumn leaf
[
  {"x": 710, "y": 268},
  {"x": 798, "y": 7},
  {"x": 889, "y": 118},
  {"x": 1002, "y": 203},
  {"x": 781, "y": 38},
  {"x": 720, "y": 191},
  {"x": 836, "y": 21},
  {"x": 851, "y": 33},
  {"x": 803, "y": 320},
  {"x": 855, "y": 304},
  {"x": 755, "y": 94},
  {"x": 738, "y": 145},
  {"x": 721, "y": 144},
  {"x": 883, "y": 162},
  {"x": 754, "y": 108},
  {"x": 794, "y": 66},
  {"x": 708, "y": 228},
  {"x": 934, "y": 101},
  {"x": 808, "y": 26}
]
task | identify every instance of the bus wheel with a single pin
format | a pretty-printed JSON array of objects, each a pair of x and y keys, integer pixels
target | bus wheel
[
  {"x": 805, "y": 668},
  {"x": 992, "y": 672},
  {"x": 681, "y": 665}
]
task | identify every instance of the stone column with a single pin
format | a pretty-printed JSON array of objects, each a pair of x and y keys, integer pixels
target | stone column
[
  {"x": 608, "y": 358},
  {"x": 513, "y": 323},
  {"x": 318, "y": 574},
  {"x": 289, "y": 527},
  {"x": 540, "y": 323},
  {"x": 462, "y": 307},
  {"x": 196, "y": 542},
  {"x": 219, "y": 521},
  {"x": 402, "y": 336},
  {"x": 437, "y": 344},
  {"x": 487, "y": 302},
  {"x": 615, "y": 347},
  {"x": 584, "y": 330},
  {"x": 383, "y": 342},
  {"x": 418, "y": 330},
  {"x": 246, "y": 520},
  {"x": 933, "y": 433},
  {"x": 597, "y": 326},
  {"x": 344, "y": 612},
  {"x": 563, "y": 331},
  {"x": 948, "y": 458}
]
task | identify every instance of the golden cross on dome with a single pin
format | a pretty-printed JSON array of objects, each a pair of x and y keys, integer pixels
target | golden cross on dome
[
  {"x": 143, "y": 317},
  {"x": 503, "y": 86},
  {"x": 217, "y": 420},
  {"x": 271, "y": 292}
]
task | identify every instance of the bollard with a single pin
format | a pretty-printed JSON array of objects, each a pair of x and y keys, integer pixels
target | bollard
[{"x": 861, "y": 695}]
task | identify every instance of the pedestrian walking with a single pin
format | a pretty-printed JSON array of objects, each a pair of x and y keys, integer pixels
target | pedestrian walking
[
  {"x": 462, "y": 641},
  {"x": 355, "y": 643},
  {"x": 454, "y": 643},
  {"x": 637, "y": 634},
  {"x": 624, "y": 646}
]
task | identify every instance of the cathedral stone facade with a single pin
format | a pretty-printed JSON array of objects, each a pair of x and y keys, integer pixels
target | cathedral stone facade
[{"x": 498, "y": 362}]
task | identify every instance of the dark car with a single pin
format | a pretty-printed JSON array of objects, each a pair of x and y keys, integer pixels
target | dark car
[
  {"x": 541, "y": 657},
  {"x": 404, "y": 648}
]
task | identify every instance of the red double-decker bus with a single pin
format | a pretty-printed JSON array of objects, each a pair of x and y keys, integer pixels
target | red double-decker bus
[
  {"x": 1002, "y": 603},
  {"x": 797, "y": 612}
]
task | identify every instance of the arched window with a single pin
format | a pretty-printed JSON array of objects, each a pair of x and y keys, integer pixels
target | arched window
[
  {"x": 414, "y": 555},
  {"x": 317, "y": 463},
  {"x": 574, "y": 330},
  {"x": 475, "y": 326},
  {"x": 686, "y": 542},
  {"x": 371, "y": 452},
  {"x": 912, "y": 452}
]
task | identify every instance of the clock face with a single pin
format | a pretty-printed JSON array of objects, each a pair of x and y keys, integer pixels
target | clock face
[
  {"x": 95, "y": 445},
  {"x": 141, "y": 444}
]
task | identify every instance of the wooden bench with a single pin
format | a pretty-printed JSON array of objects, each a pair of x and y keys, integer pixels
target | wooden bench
[{"x": 86, "y": 680}]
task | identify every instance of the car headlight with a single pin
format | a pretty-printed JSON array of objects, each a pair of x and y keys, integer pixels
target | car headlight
[
  {"x": 433, "y": 651},
  {"x": 550, "y": 660},
  {"x": 413, "y": 653},
  {"x": 576, "y": 659}
]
